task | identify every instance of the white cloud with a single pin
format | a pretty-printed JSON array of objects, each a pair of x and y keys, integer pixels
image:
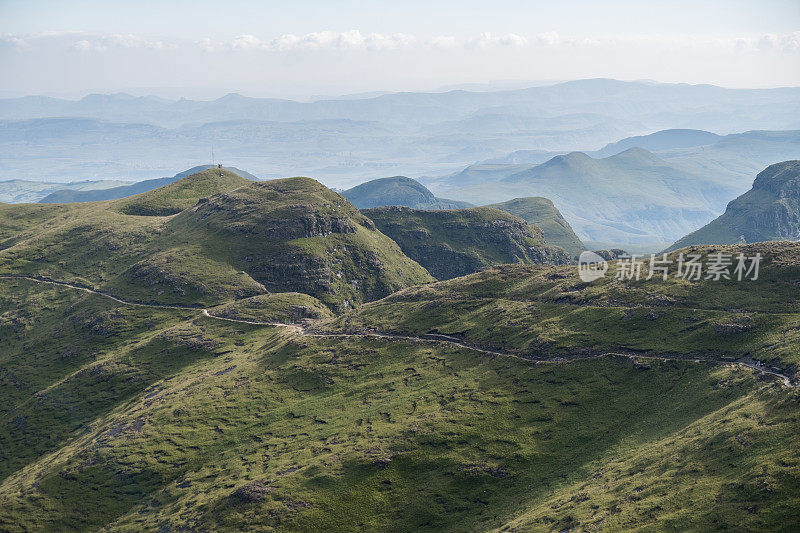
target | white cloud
[
  {"x": 769, "y": 42},
  {"x": 322, "y": 40},
  {"x": 103, "y": 43},
  {"x": 356, "y": 40},
  {"x": 246, "y": 42},
  {"x": 13, "y": 41},
  {"x": 549, "y": 38},
  {"x": 444, "y": 41},
  {"x": 82, "y": 45},
  {"x": 486, "y": 39},
  {"x": 791, "y": 42},
  {"x": 348, "y": 40}
]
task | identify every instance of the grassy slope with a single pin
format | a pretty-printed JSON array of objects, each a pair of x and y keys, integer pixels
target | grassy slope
[
  {"x": 180, "y": 260},
  {"x": 182, "y": 194},
  {"x": 457, "y": 242},
  {"x": 297, "y": 235},
  {"x": 243, "y": 426},
  {"x": 549, "y": 312},
  {"x": 19, "y": 221},
  {"x": 543, "y": 214},
  {"x": 67, "y": 358}
]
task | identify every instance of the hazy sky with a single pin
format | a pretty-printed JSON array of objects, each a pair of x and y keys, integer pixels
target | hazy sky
[{"x": 297, "y": 49}]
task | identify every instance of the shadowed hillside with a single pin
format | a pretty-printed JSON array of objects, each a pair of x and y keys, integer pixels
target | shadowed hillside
[
  {"x": 541, "y": 213},
  {"x": 454, "y": 243}
]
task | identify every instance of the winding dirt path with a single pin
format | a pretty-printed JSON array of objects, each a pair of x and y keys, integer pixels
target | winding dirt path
[{"x": 425, "y": 338}]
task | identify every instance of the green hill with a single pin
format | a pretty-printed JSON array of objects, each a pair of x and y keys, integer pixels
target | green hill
[
  {"x": 297, "y": 235},
  {"x": 770, "y": 211},
  {"x": 543, "y": 214},
  {"x": 182, "y": 194},
  {"x": 398, "y": 190},
  {"x": 290, "y": 235},
  {"x": 457, "y": 242}
]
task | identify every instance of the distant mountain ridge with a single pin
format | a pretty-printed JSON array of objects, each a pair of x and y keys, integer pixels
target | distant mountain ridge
[
  {"x": 604, "y": 96},
  {"x": 634, "y": 196},
  {"x": 343, "y": 140},
  {"x": 24, "y": 191},
  {"x": 661, "y": 140},
  {"x": 770, "y": 211}
]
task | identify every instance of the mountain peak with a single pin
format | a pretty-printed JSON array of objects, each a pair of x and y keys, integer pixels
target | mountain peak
[
  {"x": 636, "y": 155},
  {"x": 570, "y": 159},
  {"x": 231, "y": 97},
  {"x": 181, "y": 194},
  {"x": 777, "y": 176},
  {"x": 542, "y": 213},
  {"x": 662, "y": 140},
  {"x": 397, "y": 190},
  {"x": 116, "y": 97}
]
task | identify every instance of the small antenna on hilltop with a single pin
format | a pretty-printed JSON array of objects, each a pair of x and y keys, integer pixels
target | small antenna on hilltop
[{"x": 214, "y": 161}]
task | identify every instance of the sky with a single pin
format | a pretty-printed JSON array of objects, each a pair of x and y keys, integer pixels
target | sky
[{"x": 205, "y": 49}]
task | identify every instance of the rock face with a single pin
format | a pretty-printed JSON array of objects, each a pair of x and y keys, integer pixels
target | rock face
[
  {"x": 398, "y": 190},
  {"x": 770, "y": 211},
  {"x": 541, "y": 213},
  {"x": 297, "y": 235},
  {"x": 454, "y": 243}
]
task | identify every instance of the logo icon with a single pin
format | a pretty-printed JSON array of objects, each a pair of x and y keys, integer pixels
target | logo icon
[{"x": 591, "y": 266}]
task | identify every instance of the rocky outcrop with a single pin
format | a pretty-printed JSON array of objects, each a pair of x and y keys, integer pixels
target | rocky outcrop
[
  {"x": 770, "y": 211},
  {"x": 541, "y": 212}
]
